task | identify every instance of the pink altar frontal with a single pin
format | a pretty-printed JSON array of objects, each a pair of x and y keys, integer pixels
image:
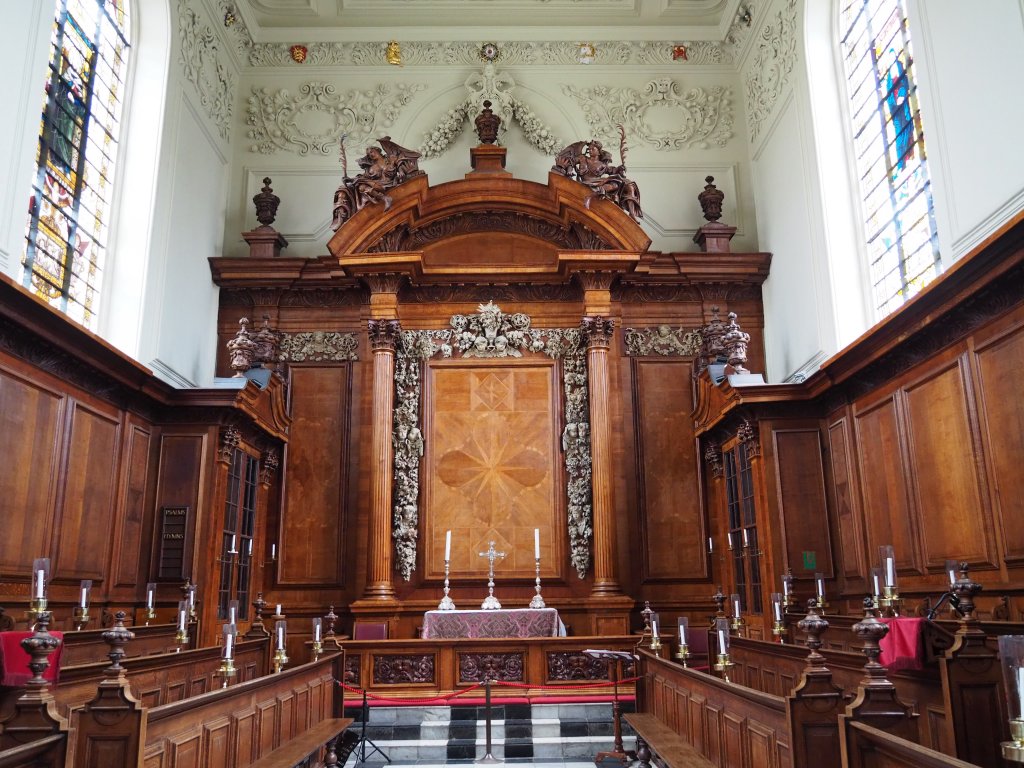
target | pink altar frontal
[{"x": 514, "y": 622}]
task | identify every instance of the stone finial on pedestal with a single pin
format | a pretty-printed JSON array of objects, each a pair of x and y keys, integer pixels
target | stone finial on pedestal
[
  {"x": 265, "y": 241},
  {"x": 814, "y": 627},
  {"x": 487, "y": 157},
  {"x": 712, "y": 347},
  {"x": 117, "y": 637},
  {"x": 34, "y": 715},
  {"x": 735, "y": 341},
  {"x": 714, "y": 236},
  {"x": 242, "y": 349},
  {"x": 719, "y": 598}
]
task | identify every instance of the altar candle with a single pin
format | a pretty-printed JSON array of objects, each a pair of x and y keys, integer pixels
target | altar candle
[
  {"x": 40, "y": 584},
  {"x": 280, "y": 637},
  {"x": 890, "y": 571},
  {"x": 536, "y": 543},
  {"x": 447, "y": 546},
  {"x": 229, "y": 639}
]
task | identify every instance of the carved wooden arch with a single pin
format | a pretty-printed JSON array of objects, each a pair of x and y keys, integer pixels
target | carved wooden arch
[{"x": 549, "y": 220}]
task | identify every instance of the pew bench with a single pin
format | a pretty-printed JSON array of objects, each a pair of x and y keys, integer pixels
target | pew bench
[
  {"x": 300, "y": 748},
  {"x": 671, "y": 748}
]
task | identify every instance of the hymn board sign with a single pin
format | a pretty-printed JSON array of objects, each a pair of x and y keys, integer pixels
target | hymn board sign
[{"x": 171, "y": 559}]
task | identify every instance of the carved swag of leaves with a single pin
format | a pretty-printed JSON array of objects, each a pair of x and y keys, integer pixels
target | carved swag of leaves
[{"x": 490, "y": 334}]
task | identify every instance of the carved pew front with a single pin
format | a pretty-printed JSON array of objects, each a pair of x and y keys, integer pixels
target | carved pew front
[
  {"x": 867, "y": 747},
  {"x": 88, "y": 646}
]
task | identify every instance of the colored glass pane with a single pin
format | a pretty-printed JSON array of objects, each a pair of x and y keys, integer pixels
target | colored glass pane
[
  {"x": 69, "y": 206},
  {"x": 888, "y": 144}
]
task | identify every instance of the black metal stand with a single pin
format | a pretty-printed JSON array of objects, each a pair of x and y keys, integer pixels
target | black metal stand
[
  {"x": 618, "y": 751},
  {"x": 488, "y": 758},
  {"x": 363, "y": 740}
]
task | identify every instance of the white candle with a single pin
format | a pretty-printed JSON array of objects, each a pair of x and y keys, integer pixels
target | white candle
[
  {"x": 278, "y": 611},
  {"x": 711, "y": 545},
  {"x": 746, "y": 541},
  {"x": 273, "y": 551},
  {"x": 952, "y": 577},
  {"x": 181, "y": 620},
  {"x": 1020, "y": 690},
  {"x": 721, "y": 641},
  {"x": 890, "y": 571},
  {"x": 234, "y": 538},
  {"x": 231, "y": 614},
  {"x": 736, "y": 607},
  {"x": 149, "y": 598},
  {"x": 40, "y": 584},
  {"x": 821, "y": 589},
  {"x": 280, "y": 638},
  {"x": 778, "y": 610},
  {"x": 85, "y": 598},
  {"x": 536, "y": 543},
  {"x": 228, "y": 642},
  {"x": 316, "y": 633},
  {"x": 249, "y": 547},
  {"x": 728, "y": 538},
  {"x": 447, "y": 546},
  {"x": 654, "y": 627},
  {"x": 876, "y": 582},
  {"x": 785, "y": 587},
  {"x": 682, "y": 634}
]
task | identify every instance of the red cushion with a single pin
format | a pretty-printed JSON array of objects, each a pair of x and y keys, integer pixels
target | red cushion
[{"x": 14, "y": 661}]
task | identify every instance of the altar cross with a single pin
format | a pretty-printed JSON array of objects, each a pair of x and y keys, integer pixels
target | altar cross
[{"x": 491, "y": 602}]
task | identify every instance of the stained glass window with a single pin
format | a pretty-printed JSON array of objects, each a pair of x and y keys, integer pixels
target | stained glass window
[
  {"x": 69, "y": 208},
  {"x": 899, "y": 220}
]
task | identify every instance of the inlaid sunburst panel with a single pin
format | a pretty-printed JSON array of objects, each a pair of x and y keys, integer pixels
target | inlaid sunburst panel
[{"x": 491, "y": 469}]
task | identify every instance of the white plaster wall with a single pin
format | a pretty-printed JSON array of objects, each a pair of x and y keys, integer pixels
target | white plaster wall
[
  {"x": 970, "y": 59},
  {"x": 669, "y": 180},
  {"x": 24, "y": 53}
]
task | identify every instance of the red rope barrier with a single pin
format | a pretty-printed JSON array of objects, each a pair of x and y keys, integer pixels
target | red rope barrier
[{"x": 464, "y": 691}]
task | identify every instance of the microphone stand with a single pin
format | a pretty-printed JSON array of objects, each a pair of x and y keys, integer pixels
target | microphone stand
[{"x": 947, "y": 597}]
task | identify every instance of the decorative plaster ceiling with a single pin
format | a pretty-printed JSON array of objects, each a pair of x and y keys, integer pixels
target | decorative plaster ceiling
[{"x": 366, "y": 20}]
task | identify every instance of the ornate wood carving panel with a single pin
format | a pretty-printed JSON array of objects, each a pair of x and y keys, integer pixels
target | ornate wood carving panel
[
  {"x": 491, "y": 468},
  {"x": 398, "y": 669},
  {"x": 311, "y": 528},
  {"x": 669, "y": 472},
  {"x": 884, "y": 482},
  {"x": 800, "y": 474},
  {"x": 573, "y": 665},
  {"x": 476, "y": 667},
  {"x": 851, "y": 556},
  {"x": 30, "y": 419},
  {"x": 999, "y": 363},
  {"x": 87, "y": 514},
  {"x": 946, "y": 477}
]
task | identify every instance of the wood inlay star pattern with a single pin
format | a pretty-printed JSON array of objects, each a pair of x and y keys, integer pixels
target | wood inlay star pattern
[{"x": 493, "y": 464}]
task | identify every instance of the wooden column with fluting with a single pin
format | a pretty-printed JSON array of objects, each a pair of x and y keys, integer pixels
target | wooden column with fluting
[
  {"x": 383, "y": 337},
  {"x": 598, "y": 330}
]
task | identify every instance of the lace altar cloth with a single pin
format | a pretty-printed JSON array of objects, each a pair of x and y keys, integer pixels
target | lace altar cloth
[{"x": 514, "y": 622}]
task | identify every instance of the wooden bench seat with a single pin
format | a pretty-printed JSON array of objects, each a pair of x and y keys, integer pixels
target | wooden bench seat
[
  {"x": 671, "y": 748},
  {"x": 297, "y": 750}
]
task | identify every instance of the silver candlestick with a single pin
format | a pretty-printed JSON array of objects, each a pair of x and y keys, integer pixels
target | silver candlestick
[
  {"x": 446, "y": 604},
  {"x": 537, "y": 601}
]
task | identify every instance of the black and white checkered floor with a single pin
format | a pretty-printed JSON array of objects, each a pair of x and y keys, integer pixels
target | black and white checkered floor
[{"x": 538, "y": 734}]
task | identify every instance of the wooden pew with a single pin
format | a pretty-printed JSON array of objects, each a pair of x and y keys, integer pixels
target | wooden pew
[
  {"x": 88, "y": 646},
  {"x": 672, "y": 750},
  {"x": 867, "y": 747},
  {"x": 42, "y": 753}
]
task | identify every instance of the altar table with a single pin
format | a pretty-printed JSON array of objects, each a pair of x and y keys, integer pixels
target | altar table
[{"x": 514, "y": 622}]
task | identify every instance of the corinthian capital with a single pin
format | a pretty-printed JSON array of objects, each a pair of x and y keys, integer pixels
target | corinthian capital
[
  {"x": 384, "y": 334},
  {"x": 598, "y": 330}
]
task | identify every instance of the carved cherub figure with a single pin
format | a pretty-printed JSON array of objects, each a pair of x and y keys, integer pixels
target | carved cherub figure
[{"x": 383, "y": 168}]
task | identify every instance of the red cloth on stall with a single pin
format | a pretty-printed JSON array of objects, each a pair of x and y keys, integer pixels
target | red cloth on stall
[
  {"x": 14, "y": 661},
  {"x": 903, "y": 646}
]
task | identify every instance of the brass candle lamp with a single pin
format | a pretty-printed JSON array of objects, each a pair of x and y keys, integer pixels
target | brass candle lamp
[
  {"x": 181, "y": 635},
  {"x": 723, "y": 664},
  {"x": 1011, "y": 653},
  {"x": 280, "y": 656},
  {"x": 778, "y": 627},
  {"x": 683, "y": 652},
  {"x": 737, "y": 623},
  {"x": 891, "y": 603},
  {"x": 787, "y": 590},
  {"x": 227, "y": 668},
  {"x": 655, "y": 640},
  {"x": 40, "y": 578},
  {"x": 318, "y": 643}
]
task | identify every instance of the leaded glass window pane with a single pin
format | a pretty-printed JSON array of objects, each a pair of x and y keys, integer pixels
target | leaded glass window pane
[
  {"x": 69, "y": 205},
  {"x": 888, "y": 143}
]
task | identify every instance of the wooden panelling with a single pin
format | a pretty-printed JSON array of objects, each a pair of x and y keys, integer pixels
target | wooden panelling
[
  {"x": 887, "y": 511},
  {"x": 87, "y": 514},
  {"x": 946, "y": 475},
  {"x": 668, "y": 472},
  {"x": 999, "y": 361},
  {"x": 491, "y": 469},
  {"x": 800, "y": 475},
  {"x": 310, "y": 536},
  {"x": 851, "y": 546},
  {"x": 133, "y": 499},
  {"x": 867, "y": 747},
  {"x": 31, "y": 422}
]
